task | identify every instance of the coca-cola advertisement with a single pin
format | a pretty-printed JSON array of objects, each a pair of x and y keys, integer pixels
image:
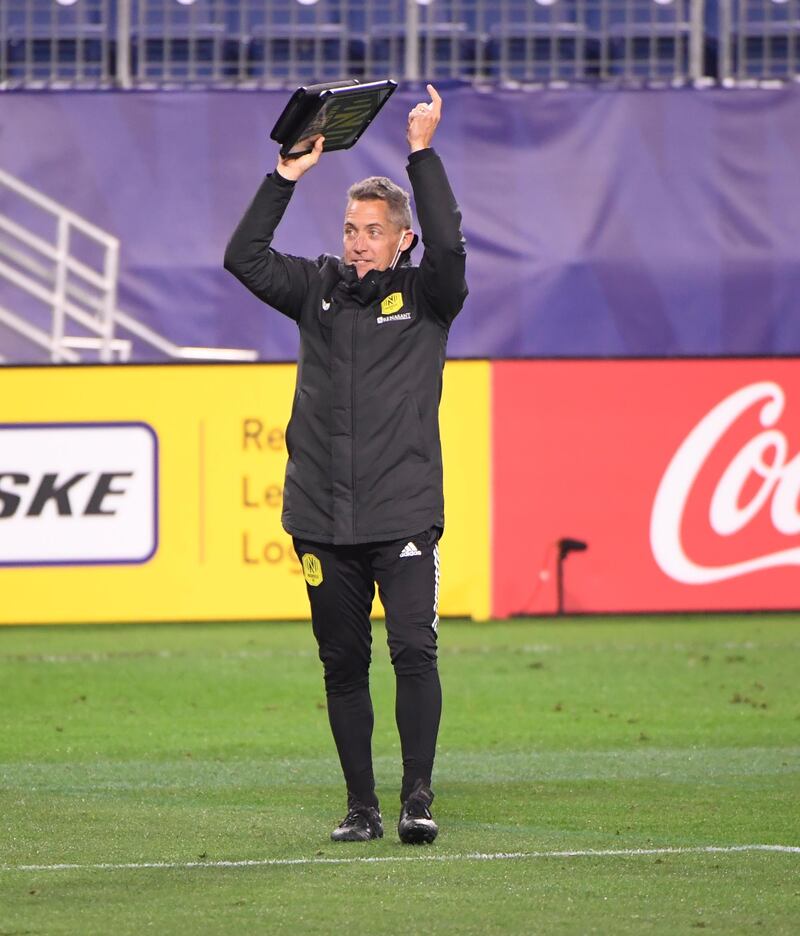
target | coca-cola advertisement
[{"x": 646, "y": 485}]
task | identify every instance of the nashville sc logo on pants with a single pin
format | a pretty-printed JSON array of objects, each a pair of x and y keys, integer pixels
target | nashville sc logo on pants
[
  {"x": 78, "y": 493},
  {"x": 312, "y": 569}
]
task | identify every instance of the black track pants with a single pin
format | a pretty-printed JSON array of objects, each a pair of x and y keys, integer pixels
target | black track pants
[{"x": 341, "y": 585}]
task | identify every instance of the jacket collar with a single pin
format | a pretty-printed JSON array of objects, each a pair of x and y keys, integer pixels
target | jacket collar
[{"x": 367, "y": 289}]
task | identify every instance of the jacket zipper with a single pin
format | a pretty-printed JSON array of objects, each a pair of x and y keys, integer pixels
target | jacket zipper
[{"x": 353, "y": 418}]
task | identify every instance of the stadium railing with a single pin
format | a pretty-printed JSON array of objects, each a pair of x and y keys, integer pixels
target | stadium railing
[
  {"x": 280, "y": 43},
  {"x": 759, "y": 40},
  {"x": 47, "y": 42},
  {"x": 62, "y": 271}
]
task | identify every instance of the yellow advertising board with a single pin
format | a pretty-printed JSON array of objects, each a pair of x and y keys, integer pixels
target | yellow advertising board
[{"x": 153, "y": 493}]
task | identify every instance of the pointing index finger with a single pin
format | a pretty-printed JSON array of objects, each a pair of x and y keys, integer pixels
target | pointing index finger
[{"x": 435, "y": 97}]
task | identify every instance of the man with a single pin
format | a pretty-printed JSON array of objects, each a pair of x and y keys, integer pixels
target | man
[{"x": 363, "y": 494}]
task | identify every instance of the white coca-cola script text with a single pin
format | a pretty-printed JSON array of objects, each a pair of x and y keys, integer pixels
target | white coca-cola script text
[{"x": 778, "y": 489}]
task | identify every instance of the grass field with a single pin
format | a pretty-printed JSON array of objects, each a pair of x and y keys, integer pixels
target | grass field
[{"x": 606, "y": 755}]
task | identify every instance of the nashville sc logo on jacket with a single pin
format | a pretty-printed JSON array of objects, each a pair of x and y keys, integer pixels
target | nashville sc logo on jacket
[{"x": 391, "y": 309}]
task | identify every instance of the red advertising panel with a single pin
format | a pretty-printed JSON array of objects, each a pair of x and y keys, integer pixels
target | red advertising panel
[{"x": 682, "y": 479}]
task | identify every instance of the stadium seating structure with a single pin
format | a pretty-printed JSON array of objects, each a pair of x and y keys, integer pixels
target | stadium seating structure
[{"x": 274, "y": 43}]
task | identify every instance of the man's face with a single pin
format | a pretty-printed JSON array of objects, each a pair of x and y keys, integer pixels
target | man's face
[{"x": 370, "y": 238}]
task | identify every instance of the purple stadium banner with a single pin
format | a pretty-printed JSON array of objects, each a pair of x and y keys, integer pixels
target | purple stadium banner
[{"x": 599, "y": 223}]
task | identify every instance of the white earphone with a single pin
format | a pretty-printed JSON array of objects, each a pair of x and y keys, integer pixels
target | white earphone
[{"x": 398, "y": 251}]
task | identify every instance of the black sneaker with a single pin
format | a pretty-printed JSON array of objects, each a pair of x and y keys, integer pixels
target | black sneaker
[
  {"x": 416, "y": 825},
  {"x": 361, "y": 824}
]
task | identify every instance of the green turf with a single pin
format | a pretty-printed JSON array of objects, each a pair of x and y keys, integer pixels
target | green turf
[{"x": 207, "y": 743}]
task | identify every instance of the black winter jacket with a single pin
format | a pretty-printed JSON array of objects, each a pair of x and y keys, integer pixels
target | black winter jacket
[{"x": 365, "y": 461}]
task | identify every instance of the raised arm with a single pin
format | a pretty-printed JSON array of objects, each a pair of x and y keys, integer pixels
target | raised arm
[
  {"x": 444, "y": 259},
  {"x": 277, "y": 279}
]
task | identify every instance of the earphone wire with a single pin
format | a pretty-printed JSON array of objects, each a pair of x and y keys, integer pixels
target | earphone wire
[{"x": 397, "y": 253}]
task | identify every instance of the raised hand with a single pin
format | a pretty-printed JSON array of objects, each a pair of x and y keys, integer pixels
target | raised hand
[
  {"x": 423, "y": 120},
  {"x": 292, "y": 169}
]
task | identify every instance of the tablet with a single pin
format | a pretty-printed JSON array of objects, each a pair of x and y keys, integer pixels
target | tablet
[{"x": 338, "y": 110}]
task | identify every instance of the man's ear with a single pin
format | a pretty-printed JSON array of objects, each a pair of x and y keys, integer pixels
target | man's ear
[{"x": 408, "y": 237}]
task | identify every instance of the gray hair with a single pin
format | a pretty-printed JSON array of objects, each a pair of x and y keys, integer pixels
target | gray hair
[{"x": 382, "y": 189}]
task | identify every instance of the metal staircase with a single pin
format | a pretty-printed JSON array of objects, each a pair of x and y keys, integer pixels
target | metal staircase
[{"x": 65, "y": 272}]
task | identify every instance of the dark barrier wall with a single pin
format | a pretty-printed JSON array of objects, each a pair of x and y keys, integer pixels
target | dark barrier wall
[{"x": 598, "y": 223}]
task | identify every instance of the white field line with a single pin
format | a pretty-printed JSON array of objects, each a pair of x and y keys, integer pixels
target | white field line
[
  {"x": 112, "y": 656},
  {"x": 382, "y": 859}
]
